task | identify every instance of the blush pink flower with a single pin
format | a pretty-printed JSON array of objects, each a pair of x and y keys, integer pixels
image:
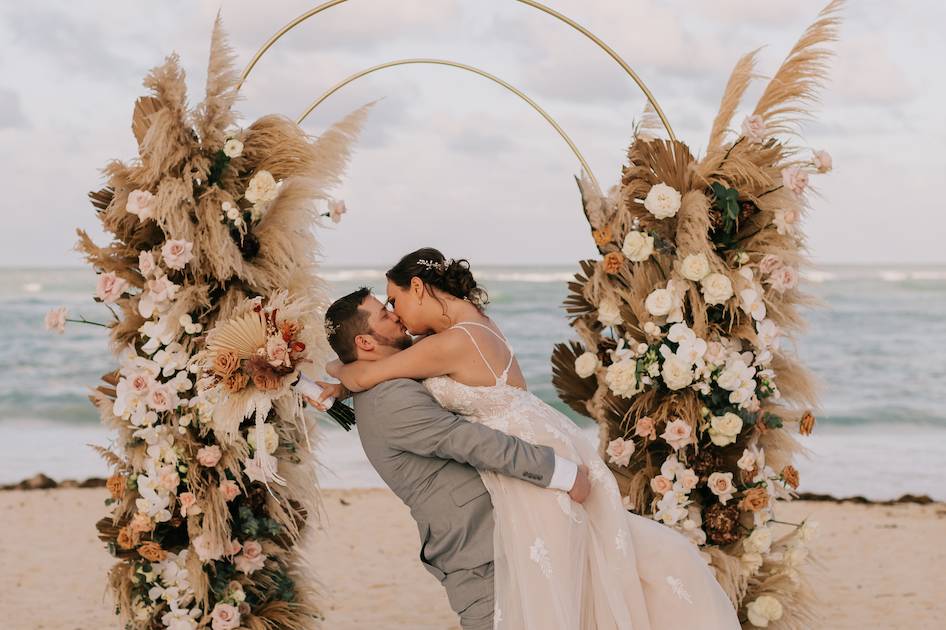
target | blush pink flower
[
  {"x": 208, "y": 455},
  {"x": 146, "y": 264},
  {"x": 229, "y": 489},
  {"x": 189, "y": 504},
  {"x": 620, "y": 451},
  {"x": 336, "y": 209},
  {"x": 645, "y": 427},
  {"x": 677, "y": 434},
  {"x": 110, "y": 287},
  {"x": 162, "y": 398},
  {"x": 206, "y": 549},
  {"x": 177, "y": 254},
  {"x": 232, "y": 548},
  {"x": 822, "y": 161},
  {"x": 753, "y": 128},
  {"x": 721, "y": 485},
  {"x": 661, "y": 485},
  {"x": 769, "y": 264},
  {"x": 277, "y": 351},
  {"x": 795, "y": 179},
  {"x": 784, "y": 278},
  {"x": 55, "y": 320},
  {"x": 252, "y": 559},
  {"x": 688, "y": 479},
  {"x": 225, "y": 617},
  {"x": 141, "y": 382},
  {"x": 140, "y": 204},
  {"x": 168, "y": 479}
]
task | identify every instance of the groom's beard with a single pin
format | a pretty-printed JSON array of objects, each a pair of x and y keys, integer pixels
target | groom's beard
[{"x": 402, "y": 342}]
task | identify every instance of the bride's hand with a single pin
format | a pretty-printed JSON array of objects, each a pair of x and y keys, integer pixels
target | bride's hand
[
  {"x": 334, "y": 368},
  {"x": 329, "y": 390}
]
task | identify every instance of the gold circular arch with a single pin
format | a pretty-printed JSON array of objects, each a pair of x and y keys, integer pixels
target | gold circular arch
[
  {"x": 532, "y": 3},
  {"x": 462, "y": 66}
]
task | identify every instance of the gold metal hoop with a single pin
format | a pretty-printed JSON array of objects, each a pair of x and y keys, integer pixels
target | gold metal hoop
[
  {"x": 462, "y": 66},
  {"x": 532, "y": 3}
]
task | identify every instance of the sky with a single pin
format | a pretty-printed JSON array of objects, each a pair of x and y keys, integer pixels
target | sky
[{"x": 451, "y": 160}]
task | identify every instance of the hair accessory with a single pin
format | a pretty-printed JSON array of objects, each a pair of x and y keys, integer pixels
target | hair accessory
[
  {"x": 330, "y": 327},
  {"x": 431, "y": 264}
]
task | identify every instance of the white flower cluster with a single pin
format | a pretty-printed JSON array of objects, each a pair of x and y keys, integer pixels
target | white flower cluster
[
  {"x": 170, "y": 584},
  {"x": 675, "y": 508}
]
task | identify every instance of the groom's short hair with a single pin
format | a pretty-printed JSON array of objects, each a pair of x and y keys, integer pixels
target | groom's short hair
[{"x": 345, "y": 320}]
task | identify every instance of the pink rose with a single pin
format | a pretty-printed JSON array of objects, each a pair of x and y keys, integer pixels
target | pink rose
[
  {"x": 620, "y": 451},
  {"x": 688, "y": 479},
  {"x": 277, "y": 352},
  {"x": 206, "y": 549},
  {"x": 162, "y": 289},
  {"x": 769, "y": 264},
  {"x": 141, "y": 382},
  {"x": 336, "y": 209},
  {"x": 225, "y": 617},
  {"x": 795, "y": 179},
  {"x": 139, "y": 203},
  {"x": 252, "y": 558},
  {"x": 645, "y": 427},
  {"x": 110, "y": 287},
  {"x": 162, "y": 398},
  {"x": 188, "y": 504},
  {"x": 753, "y": 128},
  {"x": 208, "y": 455},
  {"x": 822, "y": 161},
  {"x": 229, "y": 489},
  {"x": 146, "y": 264},
  {"x": 177, "y": 253},
  {"x": 784, "y": 278},
  {"x": 56, "y": 319},
  {"x": 232, "y": 548},
  {"x": 721, "y": 485},
  {"x": 661, "y": 485},
  {"x": 169, "y": 479},
  {"x": 677, "y": 434}
]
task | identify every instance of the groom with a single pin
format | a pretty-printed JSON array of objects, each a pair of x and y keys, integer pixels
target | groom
[{"x": 429, "y": 457}]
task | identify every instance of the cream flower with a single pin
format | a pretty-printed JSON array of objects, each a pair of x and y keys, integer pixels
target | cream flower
[
  {"x": 225, "y": 617},
  {"x": 162, "y": 398},
  {"x": 177, "y": 253},
  {"x": 140, "y": 204},
  {"x": 159, "y": 291},
  {"x": 206, "y": 549},
  {"x": 725, "y": 429},
  {"x": 231, "y": 211},
  {"x": 748, "y": 461},
  {"x": 753, "y": 128},
  {"x": 609, "y": 313},
  {"x": 336, "y": 208},
  {"x": 785, "y": 221},
  {"x": 262, "y": 188},
  {"x": 759, "y": 541},
  {"x": 695, "y": 267},
  {"x": 146, "y": 263},
  {"x": 252, "y": 559},
  {"x": 660, "y": 302},
  {"x": 677, "y": 434},
  {"x": 586, "y": 364},
  {"x": 822, "y": 161},
  {"x": 208, "y": 455},
  {"x": 55, "y": 319},
  {"x": 720, "y": 484},
  {"x": 763, "y": 610},
  {"x": 620, "y": 451},
  {"x": 768, "y": 333},
  {"x": 795, "y": 179},
  {"x": 661, "y": 485},
  {"x": 621, "y": 378},
  {"x": 662, "y": 201},
  {"x": 233, "y": 148},
  {"x": 270, "y": 438},
  {"x": 717, "y": 288},
  {"x": 188, "y": 504},
  {"x": 676, "y": 373},
  {"x": 638, "y": 246},
  {"x": 652, "y": 329},
  {"x": 751, "y": 302},
  {"x": 110, "y": 287},
  {"x": 669, "y": 511},
  {"x": 687, "y": 479}
]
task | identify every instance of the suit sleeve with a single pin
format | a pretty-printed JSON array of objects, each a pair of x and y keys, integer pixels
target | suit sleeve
[{"x": 412, "y": 420}]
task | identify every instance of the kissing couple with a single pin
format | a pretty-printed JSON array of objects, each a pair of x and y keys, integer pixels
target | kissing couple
[{"x": 519, "y": 518}]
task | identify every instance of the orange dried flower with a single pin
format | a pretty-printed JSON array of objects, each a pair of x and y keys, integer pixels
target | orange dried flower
[
  {"x": 289, "y": 329},
  {"x": 116, "y": 486},
  {"x": 152, "y": 552},
  {"x": 612, "y": 263},
  {"x": 266, "y": 381},
  {"x": 225, "y": 363},
  {"x": 126, "y": 538},
  {"x": 807, "y": 423},
  {"x": 236, "y": 382},
  {"x": 141, "y": 523},
  {"x": 603, "y": 236},
  {"x": 790, "y": 475},
  {"x": 754, "y": 500}
]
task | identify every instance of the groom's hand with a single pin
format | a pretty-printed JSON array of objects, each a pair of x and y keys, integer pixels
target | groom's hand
[{"x": 582, "y": 488}]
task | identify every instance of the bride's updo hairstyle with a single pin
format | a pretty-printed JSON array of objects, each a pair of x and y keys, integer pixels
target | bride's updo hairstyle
[{"x": 450, "y": 276}]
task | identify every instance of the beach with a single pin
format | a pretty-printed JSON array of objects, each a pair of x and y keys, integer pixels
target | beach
[{"x": 882, "y": 566}]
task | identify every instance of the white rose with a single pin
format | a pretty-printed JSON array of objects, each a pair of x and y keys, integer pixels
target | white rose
[
  {"x": 752, "y": 561},
  {"x": 609, "y": 313},
  {"x": 638, "y": 246},
  {"x": 759, "y": 541},
  {"x": 721, "y": 485},
  {"x": 659, "y": 303},
  {"x": 717, "y": 288},
  {"x": 270, "y": 438},
  {"x": 586, "y": 364},
  {"x": 230, "y": 210},
  {"x": 652, "y": 329},
  {"x": 262, "y": 188},
  {"x": 139, "y": 203},
  {"x": 753, "y": 128},
  {"x": 725, "y": 428},
  {"x": 747, "y": 461},
  {"x": 676, "y": 373},
  {"x": 233, "y": 148},
  {"x": 764, "y": 609},
  {"x": 695, "y": 267},
  {"x": 662, "y": 201},
  {"x": 621, "y": 378}
]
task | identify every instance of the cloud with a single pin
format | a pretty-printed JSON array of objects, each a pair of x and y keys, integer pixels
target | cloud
[
  {"x": 11, "y": 110},
  {"x": 867, "y": 74}
]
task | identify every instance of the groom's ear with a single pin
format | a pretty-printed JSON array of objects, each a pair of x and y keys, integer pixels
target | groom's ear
[{"x": 365, "y": 342}]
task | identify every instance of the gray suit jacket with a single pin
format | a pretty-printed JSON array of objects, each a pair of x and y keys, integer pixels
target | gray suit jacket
[{"x": 429, "y": 457}]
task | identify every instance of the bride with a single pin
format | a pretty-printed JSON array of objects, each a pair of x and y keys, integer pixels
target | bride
[{"x": 558, "y": 564}]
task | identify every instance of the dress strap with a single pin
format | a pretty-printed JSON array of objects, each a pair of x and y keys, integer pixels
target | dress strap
[{"x": 512, "y": 353}]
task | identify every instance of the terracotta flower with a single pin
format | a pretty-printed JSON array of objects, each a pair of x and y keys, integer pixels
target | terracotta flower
[
  {"x": 754, "y": 500},
  {"x": 116, "y": 486},
  {"x": 152, "y": 552},
  {"x": 225, "y": 363},
  {"x": 612, "y": 262},
  {"x": 645, "y": 427},
  {"x": 126, "y": 538},
  {"x": 807, "y": 424},
  {"x": 229, "y": 489},
  {"x": 236, "y": 382},
  {"x": 603, "y": 236},
  {"x": 790, "y": 475}
]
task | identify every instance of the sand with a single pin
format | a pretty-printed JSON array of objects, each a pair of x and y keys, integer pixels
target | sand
[{"x": 884, "y": 566}]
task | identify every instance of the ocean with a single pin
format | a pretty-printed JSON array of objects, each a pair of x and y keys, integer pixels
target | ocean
[{"x": 876, "y": 345}]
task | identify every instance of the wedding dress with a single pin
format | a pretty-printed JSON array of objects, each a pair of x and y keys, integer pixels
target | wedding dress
[{"x": 560, "y": 565}]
